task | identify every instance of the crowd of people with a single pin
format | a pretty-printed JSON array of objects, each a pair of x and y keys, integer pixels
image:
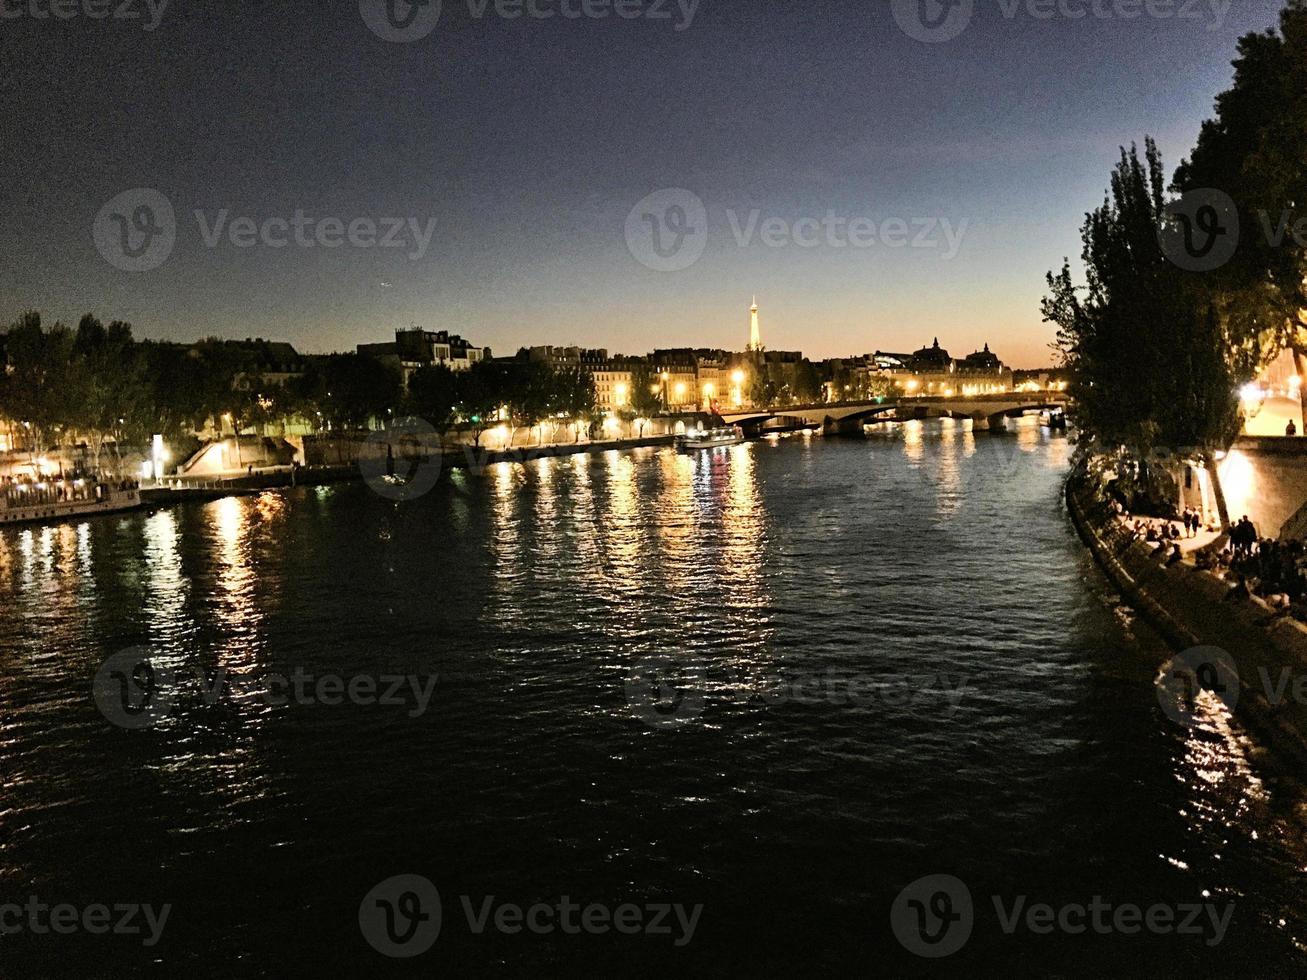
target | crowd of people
[{"x": 1274, "y": 570}]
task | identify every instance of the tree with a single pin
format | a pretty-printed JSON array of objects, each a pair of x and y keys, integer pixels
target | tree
[
  {"x": 878, "y": 386},
  {"x": 646, "y": 397},
  {"x": 763, "y": 391},
  {"x": 1255, "y": 151},
  {"x": 479, "y": 396},
  {"x": 351, "y": 389},
  {"x": 807, "y": 382},
  {"x": 39, "y": 386},
  {"x": 1150, "y": 363},
  {"x": 111, "y": 382},
  {"x": 433, "y": 395}
]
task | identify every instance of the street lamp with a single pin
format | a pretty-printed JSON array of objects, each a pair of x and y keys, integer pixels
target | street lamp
[{"x": 667, "y": 401}]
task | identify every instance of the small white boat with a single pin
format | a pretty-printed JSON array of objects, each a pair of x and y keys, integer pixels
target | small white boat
[{"x": 729, "y": 435}]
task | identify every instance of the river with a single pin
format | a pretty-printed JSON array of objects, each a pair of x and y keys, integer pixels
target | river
[{"x": 893, "y": 658}]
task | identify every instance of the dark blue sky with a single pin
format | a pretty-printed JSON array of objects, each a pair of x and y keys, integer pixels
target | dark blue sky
[{"x": 529, "y": 141}]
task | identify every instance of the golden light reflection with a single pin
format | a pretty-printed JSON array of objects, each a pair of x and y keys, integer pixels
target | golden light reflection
[
  {"x": 622, "y": 529},
  {"x": 167, "y": 589},
  {"x": 914, "y": 440},
  {"x": 505, "y": 481},
  {"x": 236, "y": 602},
  {"x": 948, "y": 482},
  {"x": 27, "y": 551},
  {"x": 744, "y": 531},
  {"x": 586, "y": 530},
  {"x": 6, "y": 564},
  {"x": 676, "y": 520}
]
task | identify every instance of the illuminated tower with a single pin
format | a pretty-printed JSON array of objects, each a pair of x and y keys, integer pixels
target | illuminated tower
[{"x": 755, "y": 336}]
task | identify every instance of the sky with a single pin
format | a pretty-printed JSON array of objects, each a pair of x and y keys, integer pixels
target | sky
[{"x": 624, "y": 182}]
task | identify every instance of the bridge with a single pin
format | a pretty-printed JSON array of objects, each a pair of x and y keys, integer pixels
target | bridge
[{"x": 987, "y": 412}]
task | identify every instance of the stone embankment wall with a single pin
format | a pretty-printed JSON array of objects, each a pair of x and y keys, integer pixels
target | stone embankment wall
[
  {"x": 1265, "y": 478},
  {"x": 1189, "y": 608}
]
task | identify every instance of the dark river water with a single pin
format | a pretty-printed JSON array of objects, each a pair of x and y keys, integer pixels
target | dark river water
[{"x": 781, "y": 681}]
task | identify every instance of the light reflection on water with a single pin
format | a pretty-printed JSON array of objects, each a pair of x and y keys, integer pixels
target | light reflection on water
[{"x": 530, "y": 590}]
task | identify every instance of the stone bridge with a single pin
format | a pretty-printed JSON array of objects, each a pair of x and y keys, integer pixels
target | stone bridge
[{"x": 985, "y": 411}]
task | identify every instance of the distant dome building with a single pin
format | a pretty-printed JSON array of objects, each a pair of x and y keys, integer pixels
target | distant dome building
[
  {"x": 932, "y": 358},
  {"x": 982, "y": 360},
  {"x": 932, "y": 371}
]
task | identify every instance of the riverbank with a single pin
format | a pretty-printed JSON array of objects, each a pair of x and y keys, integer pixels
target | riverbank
[{"x": 1191, "y": 608}]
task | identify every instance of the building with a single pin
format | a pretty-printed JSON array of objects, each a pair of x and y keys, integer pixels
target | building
[
  {"x": 691, "y": 379},
  {"x": 933, "y": 371},
  {"x": 415, "y": 348},
  {"x": 1041, "y": 379},
  {"x": 847, "y": 378},
  {"x": 676, "y": 376},
  {"x": 982, "y": 373},
  {"x": 612, "y": 375},
  {"x": 265, "y": 362},
  {"x": 560, "y": 357},
  {"x": 613, "y": 379}
]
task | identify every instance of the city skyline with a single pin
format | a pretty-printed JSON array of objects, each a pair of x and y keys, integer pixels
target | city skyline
[
  {"x": 753, "y": 343},
  {"x": 518, "y": 235}
]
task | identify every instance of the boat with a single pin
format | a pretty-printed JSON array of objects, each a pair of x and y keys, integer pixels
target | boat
[
  {"x": 727, "y": 435},
  {"x": 56, "y": 500}
]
